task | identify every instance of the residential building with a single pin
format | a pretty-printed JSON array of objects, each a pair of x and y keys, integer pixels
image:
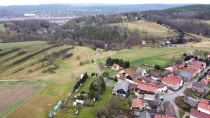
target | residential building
[
  {"x": 115, "y": 67},
  {"x": 146, "y": 88},
  {"x": 197, "y": 114},
  {"x": 121, "y": 88},
  {"x": 144, "y": 114},
  {"x": 173, "y": 81},
  {"x": 141, "y": 71},
  {"x": 198, "y": 87},
  {"x": 185, "y": 75},
  {"x": 204, "y": 106},
  {"x": 162, "y": 116},
  {"x": 155, "y": 75},
  {"x": 169, "y": 111},
  {"x": 192, "y": 72},
  {"x": 161, "y": 88},
  {"x": 166, "y": 72},
  {"x": 137, "y": 104}
]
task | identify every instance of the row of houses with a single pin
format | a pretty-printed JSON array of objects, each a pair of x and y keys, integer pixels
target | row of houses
[
  {"x": 157, "y": 83},
  {"x": 203, "y": 110}
]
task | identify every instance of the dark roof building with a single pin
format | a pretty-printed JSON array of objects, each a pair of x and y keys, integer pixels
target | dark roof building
[{"x": 169, "y": 111}]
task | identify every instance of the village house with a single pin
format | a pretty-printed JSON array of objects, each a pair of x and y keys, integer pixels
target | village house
[
  {"x": 166, "y": 72},
  {"x": 162, "y": 116},
  {"x": 173, "y": 81},
  {"x": 115, "y": 67},
  {"x": 185, "y": 76},
  {"x": 121, "y": 88},
  {"x": 155, "y": 75},
  {"x": 192, "y": 72},
  {"x": 141, "y": 71},
  {"x": 198, "y": 87},
  {"x": 137, "y": 104},
  {"x": 204, "y": 106},
  {"x": 160, "y": 87},
  {"x": 129, "y": 74},
  {"x": 197, "y": 114},
  {"x": 143, "y": 114},
  {"x": 168, "y": 108},
  {"x": 171, "y": 68},
  {"x": 146, "y": 88},
  {"x": 196, "y": 65}
]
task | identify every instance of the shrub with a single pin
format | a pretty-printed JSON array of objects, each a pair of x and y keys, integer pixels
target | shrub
[
  {"x": 30, "y": 71},
  {"x": 181, "y": 104}
]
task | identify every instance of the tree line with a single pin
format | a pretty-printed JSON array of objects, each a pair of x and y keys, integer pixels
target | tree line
[{"x": 120, "y": 62}]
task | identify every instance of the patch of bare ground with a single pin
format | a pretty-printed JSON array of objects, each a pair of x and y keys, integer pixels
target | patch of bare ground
[{"x": 10, "y": 95}]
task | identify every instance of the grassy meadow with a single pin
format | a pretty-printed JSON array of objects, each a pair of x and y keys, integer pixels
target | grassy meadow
[
  {"x": 160, "y": 56},
  {"x": 2, "y": 28},
  {"x": 149, "y": 28},
  {"x": 19, "y": 44}
]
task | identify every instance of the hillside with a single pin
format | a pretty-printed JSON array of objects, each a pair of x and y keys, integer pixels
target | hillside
[
  {"x": 146, "y": 28},
  {"x": 51, "y": 70}
]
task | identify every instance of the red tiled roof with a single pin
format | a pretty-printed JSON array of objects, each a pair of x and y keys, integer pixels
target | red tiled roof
[
  {"x": 162, "y": 116},
  {"x": 115, "y": 65},
  {"x": 188, "y": 70},
  {"x": 182, "y": 65},
  {"x": 196, "y": 66},
  {"x": 171, "y": 79},
  {"x": 198, "y": 114},
  {"x": 130, "y": 72},
  {"x": 204, "y": 104},
  {"x": 137, "y": 103},
  {"x": 146, "y": 87}
]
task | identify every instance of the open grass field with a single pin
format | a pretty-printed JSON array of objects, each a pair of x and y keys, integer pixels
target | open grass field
[
  {"x": 14, "y": 94},
  {"x": 160, "y": 56},
  {"x": 149, "y": 28},
  {"x": 2, "y": 28},
  {"x": 19, "y": 44}
]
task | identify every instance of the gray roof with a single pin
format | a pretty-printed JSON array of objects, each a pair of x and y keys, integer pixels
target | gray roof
[
  {"x": 136, "y": 76},
  {"x": 139, "y": 70},
  {"x": 121, "y": 85},
  {"x": 198, "y": 85},
  {"x": 143, "y": 114}
]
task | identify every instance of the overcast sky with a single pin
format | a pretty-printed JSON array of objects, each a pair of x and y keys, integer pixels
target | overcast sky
[{"x": 35, "y": 2}]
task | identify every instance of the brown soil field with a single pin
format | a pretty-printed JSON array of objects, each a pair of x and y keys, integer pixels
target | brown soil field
[{"x": 11, "y": 95}]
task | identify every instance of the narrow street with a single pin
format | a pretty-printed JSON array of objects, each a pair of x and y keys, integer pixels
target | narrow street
[{"x": 95, "y": 61}]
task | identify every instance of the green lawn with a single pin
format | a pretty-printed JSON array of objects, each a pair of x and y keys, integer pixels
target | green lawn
[
  {"x": 2, "y": 28},
  {"x": 90, "y": 112},
  {"x": 18, "y": 44},
  {"x": 86, "y": 85},
  {"x": 181, "y": 113},
  {"x": 110, "y": 71},
  {"x": 160, "y": 56}
]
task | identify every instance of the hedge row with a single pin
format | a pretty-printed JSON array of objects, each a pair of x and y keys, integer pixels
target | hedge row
[
  {"x": 80, "y": 82},
  {"x": 7, "y": 52},
  {"x": 18, "y": 54},
  {"x": 68, "y": 55},
  {"x": 54, "y": 54},
  {"x": 33, "y": 54}
]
